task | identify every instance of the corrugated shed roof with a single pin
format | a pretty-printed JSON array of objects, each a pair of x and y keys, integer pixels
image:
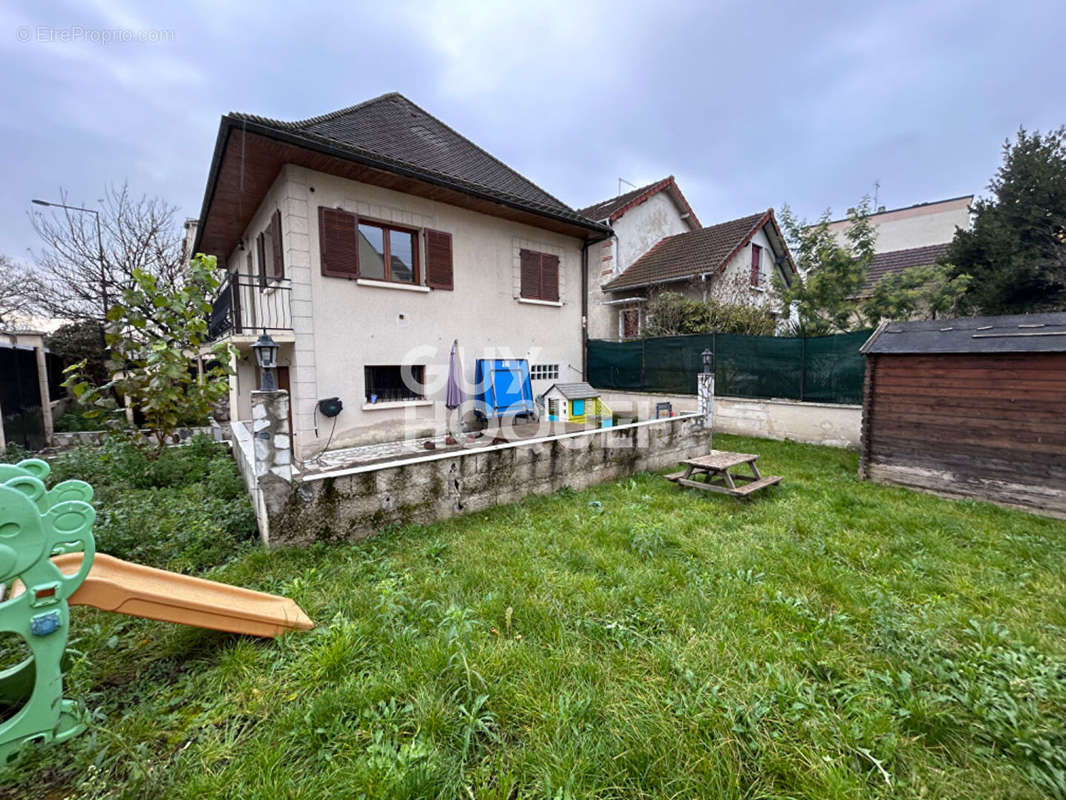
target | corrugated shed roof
[
  {"x": 1017, "y": 333},
  {"x": 576, "y": 391},
  {"x": 898, "y": 260},
  {"x": 393, "y": 128},
  {"x": 687, "y": 254}
]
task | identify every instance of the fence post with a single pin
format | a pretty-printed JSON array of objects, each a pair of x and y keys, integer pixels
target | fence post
[
  {"x": 643, "y": 363},
  {"x": 803, "y": 366},
  {"x": 705, "y": 391}
]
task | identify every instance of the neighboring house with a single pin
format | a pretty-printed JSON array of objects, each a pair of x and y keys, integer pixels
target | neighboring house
[
  {"x": 365, "y": 241},
  {"x": 914, "y": 236},
  {"x": 732, "y": 262},
  {"x": 914, "y": 226},
  {"x": 896, "y": 261},
  {"x": 640, "y": 219}
]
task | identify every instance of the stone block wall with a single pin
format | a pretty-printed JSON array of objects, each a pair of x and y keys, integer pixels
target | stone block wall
[{"x": 354, "y": 503}]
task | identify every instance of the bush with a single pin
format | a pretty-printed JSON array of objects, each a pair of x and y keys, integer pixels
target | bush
[
  {"x": 673, "y": 314},
  {"x": 187, "y": 529},
  {"x": 184, "y": 509}
]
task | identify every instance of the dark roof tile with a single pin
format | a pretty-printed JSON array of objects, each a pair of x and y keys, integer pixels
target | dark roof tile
[
  {"x": 394, "y": 129},
  {"x": 895, "y": 261},
  {"x": 687, "y": 254}
]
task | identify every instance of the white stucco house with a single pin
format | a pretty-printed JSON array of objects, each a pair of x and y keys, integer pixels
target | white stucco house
[
  {"x": 365, "y": 241},
  {"x": 639, "y": 220},
  {"x": 732, "y": 262}
]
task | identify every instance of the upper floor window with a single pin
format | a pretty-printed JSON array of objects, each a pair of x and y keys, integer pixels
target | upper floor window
[
  {"x": 540, "y": 275},
  {"x": 387, "y": 253},
  {"x": 756, "y": 265},
  {"x": 355, "y": 248},
  {"x": 268, "y": 248}
]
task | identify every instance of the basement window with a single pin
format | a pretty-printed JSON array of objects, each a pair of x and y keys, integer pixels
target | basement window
[
  {"x": 394, "y": 383},
  {"x": 544, "y": 372}
]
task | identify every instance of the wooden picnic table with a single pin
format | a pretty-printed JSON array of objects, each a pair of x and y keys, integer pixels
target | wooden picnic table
[{"x": 715, "y": 468}]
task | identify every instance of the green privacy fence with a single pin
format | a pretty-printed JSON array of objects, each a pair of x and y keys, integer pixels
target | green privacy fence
[{"x": 824, "y": 369}]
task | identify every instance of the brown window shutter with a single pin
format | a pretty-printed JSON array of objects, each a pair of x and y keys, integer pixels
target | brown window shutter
[
  {"x": 439, "y": 260},
  {"x": 278, "y": 267},
  {"x": 549, "y": 277},
  {"x": 530, "y": 268},
  {"x": 338, "y": 246},
  {"x": 260, "y": 250}
]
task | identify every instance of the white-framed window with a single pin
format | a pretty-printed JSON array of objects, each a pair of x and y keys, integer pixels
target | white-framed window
[{"x": 544, "y": 372}]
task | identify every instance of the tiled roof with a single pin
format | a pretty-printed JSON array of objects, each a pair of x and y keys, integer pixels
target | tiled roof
[
  {"x": 687, "y": 254},
  {"x": 395, "y": 131},
  {"x": 610, "y": 210},
  {"x": 898, "y": 260},
  {"x": 576, "y": 391}
]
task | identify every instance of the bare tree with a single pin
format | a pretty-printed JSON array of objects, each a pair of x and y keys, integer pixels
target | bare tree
[
  {"x": 80, "y": 273},
  {"x": 15, "y": 291}
]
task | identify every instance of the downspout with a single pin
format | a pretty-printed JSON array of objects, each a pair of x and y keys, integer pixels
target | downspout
[{"x": 585, "y": 310}]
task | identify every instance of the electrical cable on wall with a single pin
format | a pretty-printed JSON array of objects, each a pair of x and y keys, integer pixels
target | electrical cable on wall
[{"x": 330, "y": 407}]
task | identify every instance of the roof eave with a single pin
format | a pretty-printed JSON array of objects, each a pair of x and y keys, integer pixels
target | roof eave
[{"x": 230, "y": 121}]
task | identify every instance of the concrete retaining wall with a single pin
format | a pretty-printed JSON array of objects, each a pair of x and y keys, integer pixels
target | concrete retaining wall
[
  {"x": 353, "y": 503},
  {"x": 813, "y": 423}
]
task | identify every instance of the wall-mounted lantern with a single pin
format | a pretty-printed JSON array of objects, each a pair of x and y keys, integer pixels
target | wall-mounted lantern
[{"x": 266, "y": 356}]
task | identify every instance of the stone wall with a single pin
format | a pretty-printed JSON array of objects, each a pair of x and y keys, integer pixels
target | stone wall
[
  {"x": 66, "y": 440},
  {"x": 356, "y": 502}
]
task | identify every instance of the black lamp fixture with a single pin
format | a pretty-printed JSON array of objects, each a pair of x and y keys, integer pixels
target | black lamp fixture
[
  {"x": 708, "y": 360},
  {"x": 266, "y": 356}
]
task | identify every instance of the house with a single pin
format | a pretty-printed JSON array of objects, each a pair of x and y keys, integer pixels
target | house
[
  {"x": 639, "y": 220},
  {"x": 732, "y": 262},
  {"x": 575, "y": 402},
  {"x": 913, "y": 236},
  {"x": 915, "y": 226},
  {"x": 366, "y": 240},
  {"x": 970, "y": 408}
]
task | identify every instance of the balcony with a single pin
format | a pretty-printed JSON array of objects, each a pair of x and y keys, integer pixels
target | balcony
[{"x": 249, "y": 304}]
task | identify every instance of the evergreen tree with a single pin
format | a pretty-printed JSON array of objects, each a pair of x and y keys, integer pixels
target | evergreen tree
[{"x": 1016, "y": 252}]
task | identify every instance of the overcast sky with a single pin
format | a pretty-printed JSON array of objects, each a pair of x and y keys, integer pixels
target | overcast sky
[{"x": 749, "y": 105}]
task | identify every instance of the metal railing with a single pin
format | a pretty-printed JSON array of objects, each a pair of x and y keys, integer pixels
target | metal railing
[{"x": 246, "y": 304}]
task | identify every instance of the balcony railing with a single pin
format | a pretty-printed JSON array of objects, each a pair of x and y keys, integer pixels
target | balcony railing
[{"x": 247, "y": 304}]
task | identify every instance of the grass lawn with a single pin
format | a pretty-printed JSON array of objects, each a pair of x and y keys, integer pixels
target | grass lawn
[{"x": 829, "y": 639}]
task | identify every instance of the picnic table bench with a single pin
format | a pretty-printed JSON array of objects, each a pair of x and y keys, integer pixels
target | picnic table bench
[{"x": 715, "y": 466}]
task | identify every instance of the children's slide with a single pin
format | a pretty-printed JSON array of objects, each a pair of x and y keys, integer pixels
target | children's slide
[{"x": 116, "y": 585}]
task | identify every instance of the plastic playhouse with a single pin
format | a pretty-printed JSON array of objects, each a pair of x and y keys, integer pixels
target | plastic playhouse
[
  {"x": 48, "y": 562},
  {"x": 578, "y": 403}
]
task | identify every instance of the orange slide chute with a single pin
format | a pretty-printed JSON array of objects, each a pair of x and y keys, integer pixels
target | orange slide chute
[{"x": 116, "y": 585}]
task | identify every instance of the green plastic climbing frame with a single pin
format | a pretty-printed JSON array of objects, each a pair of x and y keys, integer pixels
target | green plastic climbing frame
[{"x": 35, "y": 524}]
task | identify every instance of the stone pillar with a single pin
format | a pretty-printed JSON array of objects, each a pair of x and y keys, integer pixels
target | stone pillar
[
  {"x": 273, "y": 454},
  {"x": 705, "y": 407}
]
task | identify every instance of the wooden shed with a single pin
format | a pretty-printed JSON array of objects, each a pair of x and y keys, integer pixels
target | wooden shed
[{"x": 969, "y": 408}]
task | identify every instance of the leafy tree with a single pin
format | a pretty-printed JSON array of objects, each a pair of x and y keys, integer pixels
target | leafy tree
[
  {"x": 153, "y": 332},
  {"x": 933, "y": 291},
  {"x": 831, "y": 273},
  {"x": 1016, "y": 251}
]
